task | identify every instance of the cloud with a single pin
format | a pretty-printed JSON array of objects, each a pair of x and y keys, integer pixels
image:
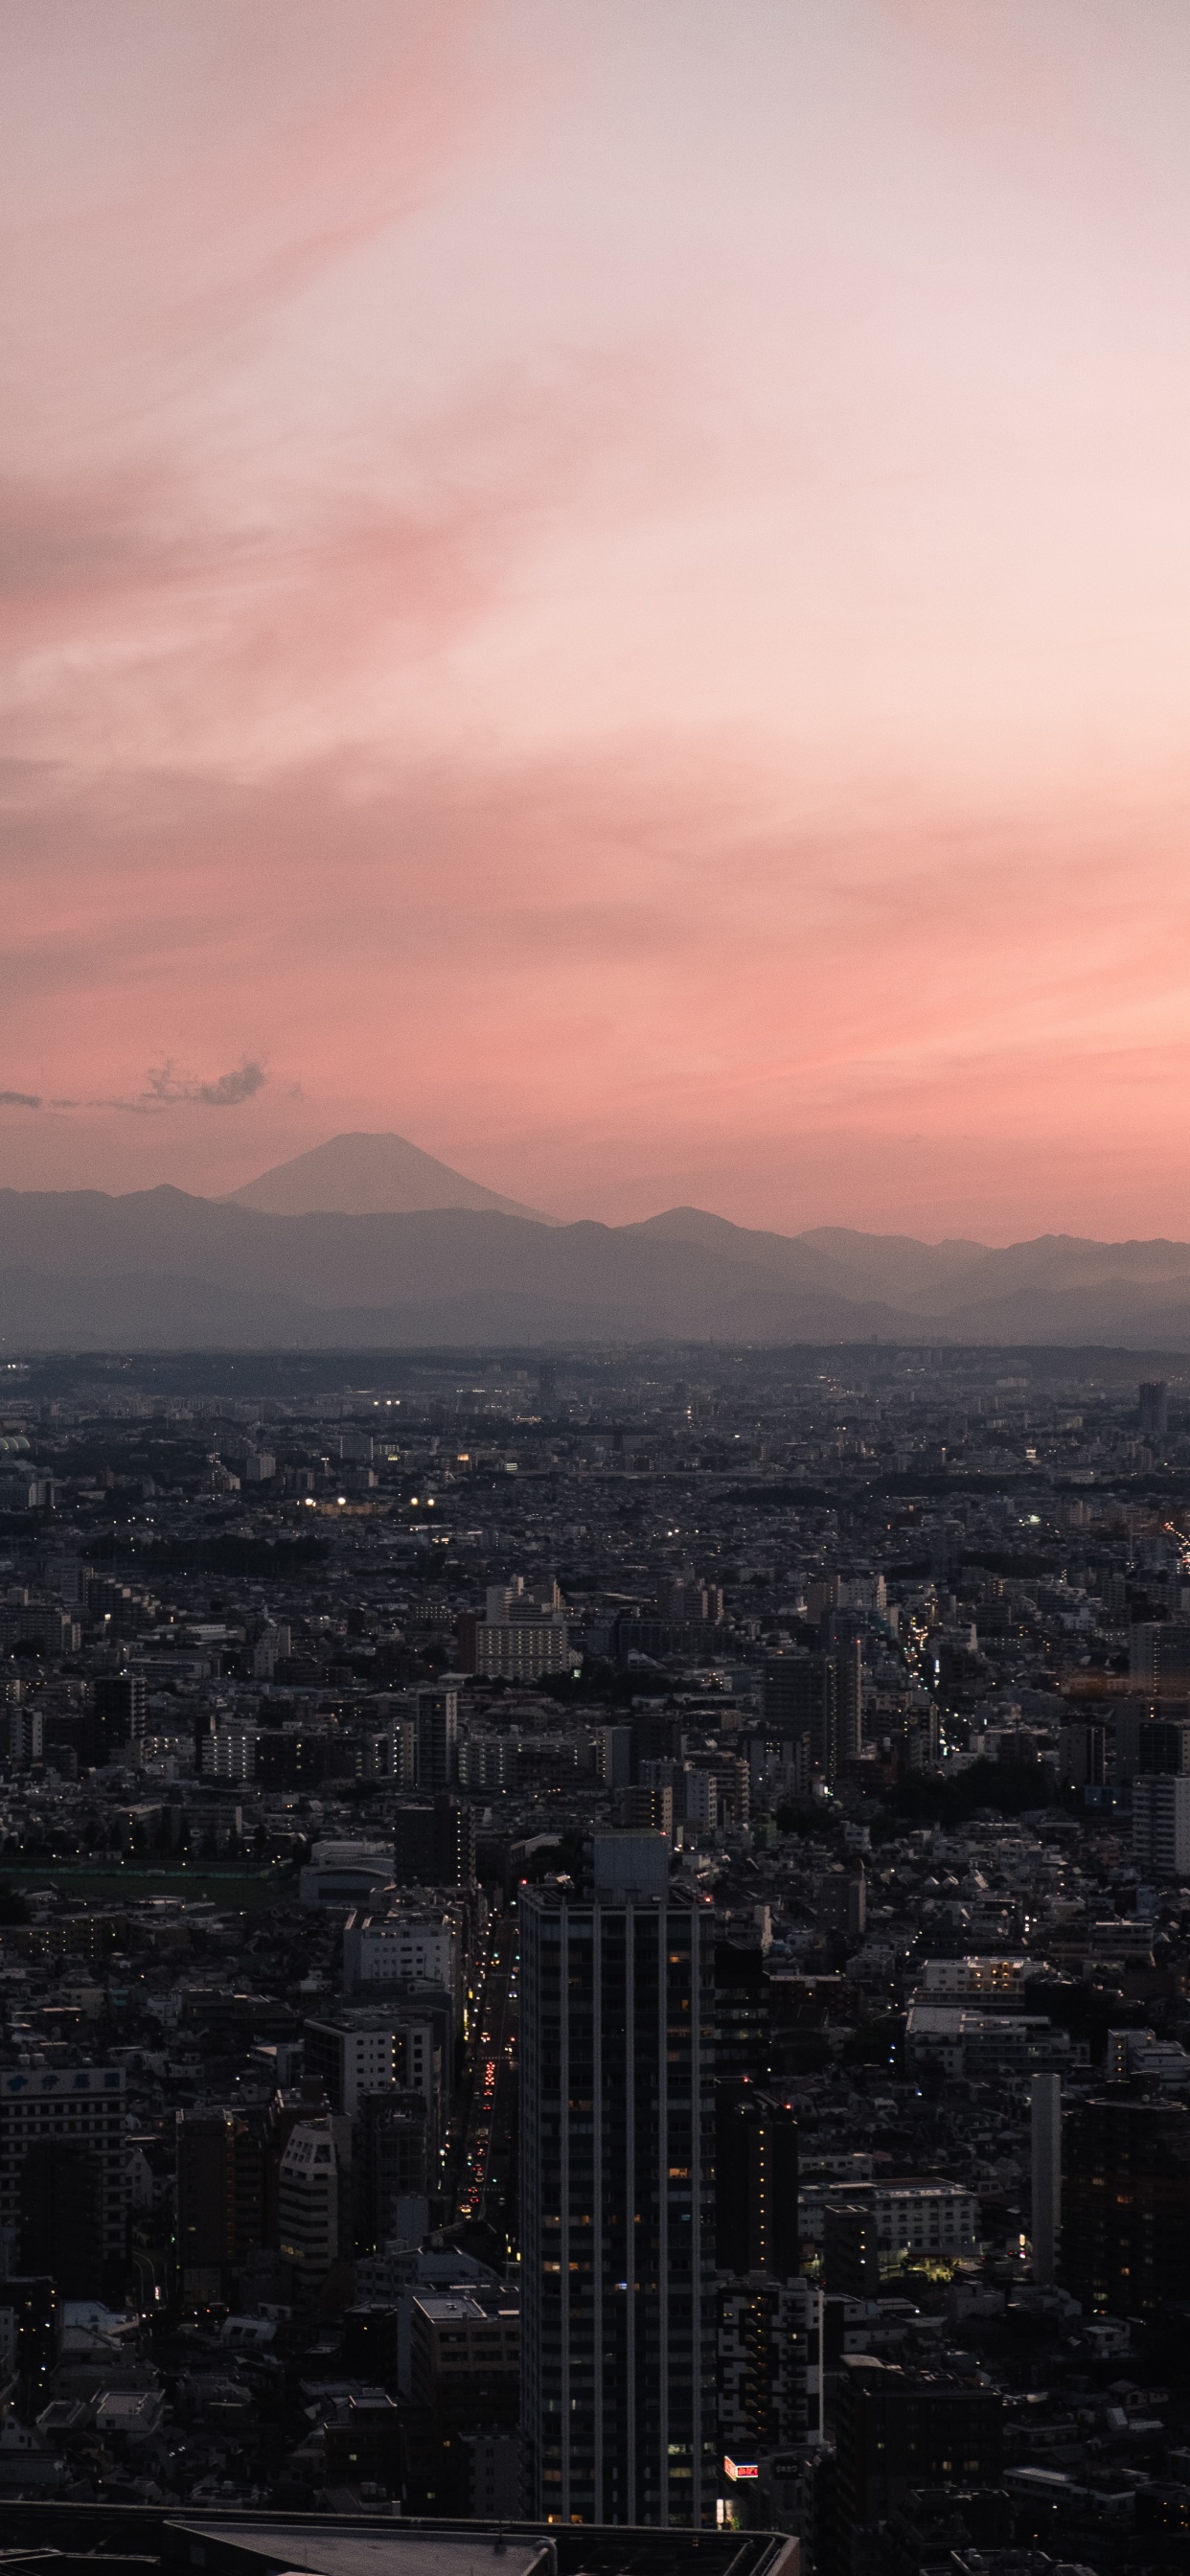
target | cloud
[
  {"x": 164, "y": 1089},
  {"x": 227, "y": 1091}
]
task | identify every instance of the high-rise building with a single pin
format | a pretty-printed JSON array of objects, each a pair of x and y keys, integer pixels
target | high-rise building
[
  {"x": 743, "y": 2009},
  {"x": 850, "y": 2247},
  {"x": 61, "y": 2211},
  {"x": 454, "y": 1843},
  {"x": 220, "y": 2199},
  {"x": 900, "y": 2429},
  {"x": 118, "y": 1710},
  {"x": 391, "y": 2162},
  {"x": 436, "y": 1719},
  {"x": 360, "y": 2052},
  {"x": 311, "y": 2203},
  {"x": 1161, "y": 1824},
  {"x": 1152, "y": 1411},
  {"x": 756, "y": 2196},
  {"x": 845, "y": 1641},
  {"x": 1163, "y": 1744},
  {"x": 434, "y": 1845},
  {"x": 1045, "y": 2115},
  {"x": 80, "y": 2110},
  {"x": 1125, "y": 2248},
  {"x": 1159, "y": 1658},
  {"x": 764, "y": 2332},
  {"x": 817, "y": 1699},
  {"x": 617, "y": 2195}
]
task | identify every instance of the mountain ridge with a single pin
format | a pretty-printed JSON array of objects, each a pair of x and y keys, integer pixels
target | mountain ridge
[{"x": 163, "y": 1267}]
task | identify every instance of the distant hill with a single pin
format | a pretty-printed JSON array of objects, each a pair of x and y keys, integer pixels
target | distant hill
[
  {"x": 160, "y": 1270},
  {"x": 361, "y": 1175}
]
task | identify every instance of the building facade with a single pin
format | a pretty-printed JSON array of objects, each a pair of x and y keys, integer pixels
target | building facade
[{"x": 617, "y": 2204}]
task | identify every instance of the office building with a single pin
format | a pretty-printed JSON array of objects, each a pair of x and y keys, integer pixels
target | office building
[
  {"x": 63, "y": 2160},
  {"x": 1125, "y": 2245},
  {"x": 617, "y": 2198}
]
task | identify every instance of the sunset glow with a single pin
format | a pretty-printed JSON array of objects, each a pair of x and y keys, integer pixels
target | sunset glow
[{"x": 607, "y": 588}]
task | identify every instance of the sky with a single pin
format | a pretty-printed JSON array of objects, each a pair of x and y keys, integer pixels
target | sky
[{"x": 605, "y": 587}]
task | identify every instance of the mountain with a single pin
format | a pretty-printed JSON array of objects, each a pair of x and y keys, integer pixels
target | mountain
[
  {"x": 160, "y": 1270},
  {"x": 360, "y": 1175}
]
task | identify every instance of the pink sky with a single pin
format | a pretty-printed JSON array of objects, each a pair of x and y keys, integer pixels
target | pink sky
[{"x": 606, "y": 587}]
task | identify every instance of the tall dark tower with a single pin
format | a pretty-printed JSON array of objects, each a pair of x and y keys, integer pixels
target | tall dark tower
[
  {"x": 756, "y": 2211},
  {"x": 617, "y": 2195}
]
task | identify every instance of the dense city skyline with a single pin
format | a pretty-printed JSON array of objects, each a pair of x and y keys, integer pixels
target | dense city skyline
[{"x": 605, "y": 589}]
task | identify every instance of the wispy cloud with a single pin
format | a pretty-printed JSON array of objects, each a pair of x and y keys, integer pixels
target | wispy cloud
[
  {"x": 227, "y": 1091},
  {"x": 165, "y": 1088}
]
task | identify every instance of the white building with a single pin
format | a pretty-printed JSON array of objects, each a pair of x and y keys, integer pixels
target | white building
[
  {"x": 1161, "y": 1824},
  {"x": 368, "y": 2052},
  {"x": 911, "y": 2217},
  {"x": 400, "y": 1949}
]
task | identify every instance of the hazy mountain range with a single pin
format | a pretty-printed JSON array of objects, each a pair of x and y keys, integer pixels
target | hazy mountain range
[{"x": 367, "y": 1243}]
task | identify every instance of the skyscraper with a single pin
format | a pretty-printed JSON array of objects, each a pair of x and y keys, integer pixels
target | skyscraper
[
  {"x": 1153, "y": 1408},
  {"x": 617, "y": 2195},
  {"x": 1046, "y": 2135}
]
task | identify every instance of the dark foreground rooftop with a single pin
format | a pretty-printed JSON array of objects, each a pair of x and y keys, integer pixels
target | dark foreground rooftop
[{"x": 135, "y": 2540}]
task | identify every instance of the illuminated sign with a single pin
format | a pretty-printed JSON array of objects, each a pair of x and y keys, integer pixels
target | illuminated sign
[{"x": 736, "y": 2470}]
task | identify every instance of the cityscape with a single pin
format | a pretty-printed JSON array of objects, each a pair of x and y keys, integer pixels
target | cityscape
[
  {"x": 594, "y": 1288},
  {"x": 601, "y": 1938}
]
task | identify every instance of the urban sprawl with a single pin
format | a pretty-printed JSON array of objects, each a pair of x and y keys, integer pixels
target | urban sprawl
[{"x": 602, "y": 1939}]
